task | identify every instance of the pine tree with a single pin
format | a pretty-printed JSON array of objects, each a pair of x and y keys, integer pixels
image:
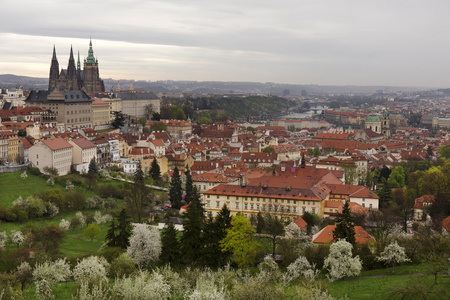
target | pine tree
[
  {"x": 139, "y": 196},
  {"x": 175, "y": 191},
  {"x": 93, "y": 169},
  {"x": 260, "y": 223},
  {"x": 124, "y": 229},
  {"x": 111, "y": 235},
  {"x": 192, "y": 244},
  {"x": 155, "y": 171},
  {"x": 139, "y": 175},
  {"x": 189, "y": 185},
  {"x": 345, "y": 228},
  {"x": 170, "y": 245},
  {"x": 213, "y": 233},
  {"x": 385, "y": 193}
]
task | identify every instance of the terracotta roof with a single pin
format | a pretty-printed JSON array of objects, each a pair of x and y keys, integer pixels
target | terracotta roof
[
  {"x": 446, "y": 224},
  {"x": 57, "y": 144},
  {"x": 326, "y": 235},
  {"x": 300, "y": 222},
  {"x": 83, "y": 143}
]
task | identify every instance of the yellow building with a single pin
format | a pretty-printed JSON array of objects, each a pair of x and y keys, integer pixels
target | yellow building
[
  {"x": 13, "y": 147},
  {"x": 100, "y": 113}
]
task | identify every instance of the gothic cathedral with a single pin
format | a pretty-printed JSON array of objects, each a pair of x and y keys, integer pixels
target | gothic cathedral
[{"x": 74, "y": 78}]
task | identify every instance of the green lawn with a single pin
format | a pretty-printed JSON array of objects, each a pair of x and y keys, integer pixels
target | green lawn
[
  {"x": 76, "y": 244},
  {"x": 12, "y": 186},
  {"x": 382, "y": 287}
]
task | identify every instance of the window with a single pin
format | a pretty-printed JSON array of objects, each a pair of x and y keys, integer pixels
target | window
[
  {"x": 257, "y": 206},
  {"x": 228, "y": 197},
  {"x": 251, "y": 206},
  {"x": 217, "y": 204},
  {"x": 363, "y": 205},
  {"x": 303, "y": 210},
  {"x": 217, "y": 196},
  {"x": 237, "y": 205},
  {"x": 245, "y": 206},
  {"x": 263, "y": 207},
  {"x": 294, "y": 209},
  {"x": 207, "y": 196},
  {"x": 313, "y": 210}
]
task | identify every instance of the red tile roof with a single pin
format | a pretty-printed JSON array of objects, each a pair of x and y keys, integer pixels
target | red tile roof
[
  {"x": 326, "y": 235},
  {"x": 83, "y": 143},
  {"x": 57, "y": 144}
]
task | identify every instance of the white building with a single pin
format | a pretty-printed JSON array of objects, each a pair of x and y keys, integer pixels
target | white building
[{"x": 53, "y": 153}]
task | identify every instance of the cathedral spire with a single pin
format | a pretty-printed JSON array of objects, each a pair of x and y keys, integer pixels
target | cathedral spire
[
  {"x": 78, "y": 62},
  {"x": 54, "y": 71},
  {"x": 90, "y": 59}
]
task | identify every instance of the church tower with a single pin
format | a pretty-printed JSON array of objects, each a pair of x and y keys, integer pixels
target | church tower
[
  {"x": 72, "y": 76},
  {"x": 385, "y": 125},
  {"x": 54, "y": 72},
  {"x": 92, "y": 81}
]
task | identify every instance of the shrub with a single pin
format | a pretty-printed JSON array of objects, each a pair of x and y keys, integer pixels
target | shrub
[
  {"x": 122, "y": 266},
  {"x": 91, "y": 270},
  {"x": 142, "y": 286},
  {"x": 111, "y": 253},
  {"x": 34, "y": 171},
  {"x": 76, "y": 200}
]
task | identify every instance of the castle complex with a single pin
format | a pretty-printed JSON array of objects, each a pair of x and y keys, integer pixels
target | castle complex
[{"x": 74, "y": 78}]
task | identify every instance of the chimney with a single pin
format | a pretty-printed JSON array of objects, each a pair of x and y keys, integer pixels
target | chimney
[{"x": 242, "y": 180}]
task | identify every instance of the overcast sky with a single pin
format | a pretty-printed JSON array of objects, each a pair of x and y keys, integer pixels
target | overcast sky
[{"x": 332, "y": 42}]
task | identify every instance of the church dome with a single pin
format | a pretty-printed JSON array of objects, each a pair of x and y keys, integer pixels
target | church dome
[{"x": 373, "y": 118}]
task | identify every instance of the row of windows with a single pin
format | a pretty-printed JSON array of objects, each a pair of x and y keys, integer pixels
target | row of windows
[
  {"x": 263, "y": 207},
  {"x": 76, "y": 120},
  {"x": 305, "y": 202}
]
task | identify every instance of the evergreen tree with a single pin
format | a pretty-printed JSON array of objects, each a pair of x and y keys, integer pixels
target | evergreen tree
[
  {"x": 119, "y": 119},
  {"x": 385, "y": 193},
  {"x": 222, "y": 224},
  {"x": 175, "y": 191},
  {"x": 170, "y": 245},
  {"x": 155, "y": 171},
  {"x": 192, "y": 244},
  {"x": 139, "y": 175},
  {"x": 189, "y": 185},
  {"x": 111, "y": 235},
  {"x": 345, "y": 228},
  {"x": 139, "y": 196},
  {"x": 124, "y": 229},
  {"x": 260, "y": 223},
  {"x": 93, "y": 169}
]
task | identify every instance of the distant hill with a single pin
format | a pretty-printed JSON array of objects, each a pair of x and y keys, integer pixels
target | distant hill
[
  {"x": 8, "y": 81},
  {"x": 219, "y": 87}
]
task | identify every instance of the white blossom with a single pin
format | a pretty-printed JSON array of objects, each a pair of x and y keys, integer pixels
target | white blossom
[
  {"x": 82, "y": 218},
  {"x": 94, "y": 202},
  {"x": 393, "y": 254},
  {"x": 64, "y": 224},
  {"x": 206, "y": 288},
  {"x": 301, "y": 267},
  {"x": 91, "y": 270},
  {"x": 17, "y": 237},
  {"x": 24, "y": 175},
  {"x": 142, "y": 286},
  {"x": 145, "y": 245},
  {"x": 100, "y": 219},
  {"x": 340, "y": 262},
  {"x": 3, "y": 239},
  {"x": 20, "y": 202},
  {"x": 69, "y": 185},
  {"x": 53, "y": 209},
  {"x": 52, "y": 272},
  {"x": 51, "y": 181},
  {"x": 96, "y": 292}
]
